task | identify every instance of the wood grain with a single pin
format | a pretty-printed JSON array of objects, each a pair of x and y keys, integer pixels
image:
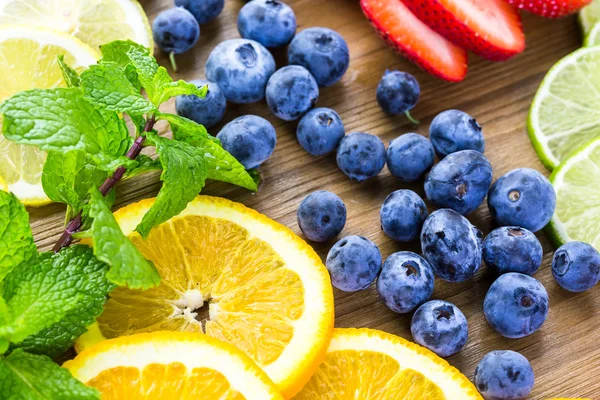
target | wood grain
[{"x": 564, "y": 353}]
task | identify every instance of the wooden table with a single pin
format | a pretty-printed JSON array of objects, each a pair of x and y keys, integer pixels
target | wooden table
[{"x": 565, "y": 353}]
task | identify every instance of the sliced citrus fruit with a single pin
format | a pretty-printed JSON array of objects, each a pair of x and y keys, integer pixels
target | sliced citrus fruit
[
  {"x": 593, "y": 37},
  {"x": 21, "y": 166},
  {"x": 565, "y": 113},
  {"x": 3, "y": 185},
  {"x": 171, "y": 365},
  {"x": 259, "y": 286},
  {"x": 589, "y": 15},
  {"x": 94, "y": 22},
  {"x": 370, "y": 364},
  {"x": 577, "y": 214}
]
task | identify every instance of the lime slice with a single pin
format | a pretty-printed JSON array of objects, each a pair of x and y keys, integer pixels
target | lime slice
[
  {"x": 589, "y": 15},
  {"x": 593, "y": 37},
  {"x": 577, "y": 215},
  {"x": 565, "y": 113}
]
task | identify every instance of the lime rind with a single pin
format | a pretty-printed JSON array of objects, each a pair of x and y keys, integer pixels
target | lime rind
[
  {"x": 589, "y": 15},
  {"x": 576, "y": 182},
  {"x": 565, "y": 112},
  {"x": 593, "y": 37}
]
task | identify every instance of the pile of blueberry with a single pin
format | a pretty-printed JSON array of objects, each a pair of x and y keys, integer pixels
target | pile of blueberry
[{"x": 521, "y": 202}]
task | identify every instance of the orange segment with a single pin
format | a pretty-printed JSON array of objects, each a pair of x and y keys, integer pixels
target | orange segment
[{"x": 248, "y": 280}]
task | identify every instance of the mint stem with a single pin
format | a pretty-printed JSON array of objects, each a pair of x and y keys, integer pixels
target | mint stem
[{"x": 75, "y": 224}]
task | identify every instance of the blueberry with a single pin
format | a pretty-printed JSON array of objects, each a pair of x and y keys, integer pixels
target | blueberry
[
  {"x": 203, "y": 10},
  {"x": 402, "y": 215},
  {"x": 321, "y": 51},
  {"x": 410, "y": 156},
  {"x": 271, "y": 23},
  {"x": 291, "y": 92},
  {"x": 207, "y": 111},
  {"x": 454, "y": 130},
  {"x": 320, "y": 131},
  {"x": 523, "y": 197},
  {"x": 361, "y": 156},
  {"x": 516, "y": 305},
  {"x": 406, "y": 281},
  {"x": 241, "y": 68},
  {"x": 576, "y": 266},
  {"x": 504, "y": 375},
  {"x": 460, "y": 181},
  {"x": 512, "y": 249},
  {"x": 175, "y": 31},
  {"x": 353, "y": 263},
  {"x": 451, "y": 245},
  {"x": 398, "y": 92},
  {"x": 321, "y": 216},
  {"x": 250, "y": 139},
  {"x": 440, "y": 326}
]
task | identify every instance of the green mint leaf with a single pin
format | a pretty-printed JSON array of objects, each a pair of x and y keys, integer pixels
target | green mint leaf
[
  {"x": 145, "y": 164},
  {"x": 107, "y": 86},
  {"x": 61, "y": 120},
  {"x": 184, "y": 174},
  {"x": 184, "y": 128},
  {"x": 89, "y": 276},
  {"x": 68, "y": 177},
  {"x": 16, "y": 239},
  {"x": 165, "y": 88},
  {"x": 70, "y": 76},
  {"x": 127, "y": 265},
  {"x": 116, "y": 51},
  {"x": 145, "y": 66},
  {"x": 25, "y": 376}
]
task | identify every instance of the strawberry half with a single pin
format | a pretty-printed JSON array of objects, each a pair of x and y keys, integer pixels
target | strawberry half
[
  {"x": 550, "y": 8},
  {"x": 489, "y": 28},
  {"x": 415, "y": 40}
]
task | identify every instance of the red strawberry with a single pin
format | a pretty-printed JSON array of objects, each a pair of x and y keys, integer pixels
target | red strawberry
[
  {"x": 419, "y": 43},
  {"x": 489, "y": 28},
  {"x": 550, "y": 8}
]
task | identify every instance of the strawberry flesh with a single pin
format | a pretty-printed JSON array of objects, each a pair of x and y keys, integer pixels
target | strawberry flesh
[
  {"x": 550, "y": 8},
  {"x": 489, "y": 28},
  {"x": 415, "y": 40}
]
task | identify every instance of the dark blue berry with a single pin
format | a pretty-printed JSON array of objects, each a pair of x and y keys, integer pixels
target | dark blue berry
[
  {"x": 250, "y": 139},
  {"x": 203, "y": 10},
  {"x": 576, "y": 266},
  {"x": 271, "y": 23},
  {"x": 441, "y": 327},
  {"x": 361, "y": 155},
  {"x": 398, "y": 92},
  {"x": 512, "y": 249},
  {"x": 291, "y": 92},
  {"x": 460, "y": 181},
  {"x": 321, "y": 216},
  {"x": 175, "y": 30},
  {"x": 504, "y": 375},
  {"x": 353, "y": 263},
  {"x": 410, "y": 156},
  {"x": 320, "y": 131},
  {"x": 321, "y": 51},
  {"x": 523, "y": 197},
  {"x": 516, "y": 305},
  {"x": 454, "y": 130},
  {"x": 207, "y": 111},
  {"x": 406, "y": 281},
  {"x": 402, "y": 215}
]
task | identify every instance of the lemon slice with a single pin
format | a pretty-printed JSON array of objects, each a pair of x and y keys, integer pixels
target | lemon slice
[
  {"x": 577, "y": 214},
  {"x": 171, "y": 365},
  {"x": 236, "y": 275},
  {"x": 589, "y": 15},
  {"x": 565, "y": 113},
  {"x": 21, "y": 166},
  {"x": 95, "y": 22},
  {"x": 3, "y": 185},
  {"x": 370, "y": 364}
]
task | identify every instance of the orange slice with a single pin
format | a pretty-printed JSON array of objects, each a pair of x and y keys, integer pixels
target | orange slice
[
  {"x": 171, "y": 365},
  {"x": 374, "y": 365},
  {"x": 236, "y": 275}
]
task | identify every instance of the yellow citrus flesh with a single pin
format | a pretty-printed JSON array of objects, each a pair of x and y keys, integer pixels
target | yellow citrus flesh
[
  {"x": 3, "y": 185},
  {"x": 21, "y": 166},
  {"x": 171, "y": 365},
  {"x": 374, "y": 365},
  {"x": 95, "y": 22},
  {"x": 266, "y": 291}
]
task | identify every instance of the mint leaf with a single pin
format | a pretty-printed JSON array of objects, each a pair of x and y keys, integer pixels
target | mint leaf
[
  {"x": 116, "y": 51},
  {"x": 164, "y": 88},
  {"x": 127, "y": 265},
  {"x": 68, "y": 177},
  {"x": 145, "y": 66},
  {"x": 61, "y": 120},
  {"x": 89, "y": 276},
  {"x": 184, "y": 174},
  {"x": 70, "y": 76},
  {"x": 107, "y": 86},
  {"x": 145, "y": 164},
  {"x": 16, "y": 239},
  {"x": 184, "y": 128},
  {"x": 25, "y": 376}
]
